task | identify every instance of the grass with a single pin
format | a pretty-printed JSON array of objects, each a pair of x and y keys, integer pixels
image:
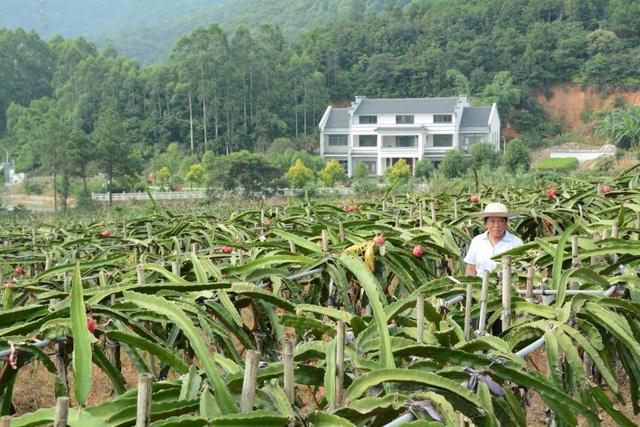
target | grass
[{"x": 566, "y": 164}]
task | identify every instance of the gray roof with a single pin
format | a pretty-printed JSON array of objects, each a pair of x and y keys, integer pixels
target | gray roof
[
  {"x": 407, "y": 106},
  {"x": 338, "y": 119},
  {"x": 475, "y": 117}
]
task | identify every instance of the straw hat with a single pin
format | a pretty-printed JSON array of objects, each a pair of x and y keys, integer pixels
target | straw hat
[{"x": 494, "y": 209}]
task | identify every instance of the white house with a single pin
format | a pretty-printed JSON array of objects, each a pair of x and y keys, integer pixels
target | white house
[{"x": 379, "y": 132}]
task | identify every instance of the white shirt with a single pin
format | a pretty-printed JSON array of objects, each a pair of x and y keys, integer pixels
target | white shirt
[{"x": 481, "y": 251}]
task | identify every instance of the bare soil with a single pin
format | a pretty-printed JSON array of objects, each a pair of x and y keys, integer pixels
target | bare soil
[
  {"x": 570, "y": 101},
  {"x": 536, "y": 412},
  {"x": 35, "y": 385}
]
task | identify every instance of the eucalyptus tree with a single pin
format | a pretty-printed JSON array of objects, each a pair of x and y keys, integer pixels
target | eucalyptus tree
[{"x": 115, "y": 153}]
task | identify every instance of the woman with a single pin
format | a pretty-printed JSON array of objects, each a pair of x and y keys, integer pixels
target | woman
[{"x": 492, "y": 242}]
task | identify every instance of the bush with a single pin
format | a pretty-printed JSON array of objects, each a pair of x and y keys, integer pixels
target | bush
[
  {"x": 483, "y": 154},
  {"x": 454, "y": 164},
  {"x": 364, "y": 186},
  {"x": 423, "y": 169},
  {"x": 603, "y": 164},
  {"x": 332, "y": 173},
  {"x": 566, "y": 164},
  {"x": 299, "y": 175},
  {"x": 400, "y": 171},
  {"x": 517, "y": 156},
  {"x": 360, "y": 171},
  {"x": 32, "y": 187}
]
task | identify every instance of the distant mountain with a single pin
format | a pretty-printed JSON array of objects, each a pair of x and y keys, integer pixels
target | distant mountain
[
  {"x": 92, "y": 18},
  {"x": 147, "y": 30}
]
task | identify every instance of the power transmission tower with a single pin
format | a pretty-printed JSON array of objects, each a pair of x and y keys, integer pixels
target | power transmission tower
[{"x": 42, "y": 18}]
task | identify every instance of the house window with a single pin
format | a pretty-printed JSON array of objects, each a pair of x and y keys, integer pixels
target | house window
[
  {"x": 338, "y": 140},
  {"x": 405, "y": 141},
  {"x": 368, "y": 120},
  {"x": 472, "y": 138},
  {"x": 443, "y": 140},
  {"x": 404, "y": 119},
  {"x": 367, "y": 140},
  {"x": 442, "y": 118}
]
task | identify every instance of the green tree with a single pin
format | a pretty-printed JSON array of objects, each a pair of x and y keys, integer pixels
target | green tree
[
  {"x": 517, "y": 156},
  {"x": 332, "y": 173},
  {"x": 163, "y": 176},
  {"x": 252, "y": 172},
  {"x": 114, "y": 149},
  {"x": 26, "y": 68},
  {"x": 360, "y": 171},
  {"x": 454, "y": 165},
  {"x": 299, "y": 175},
  {"x": 279, "y": 146},
  {"x": 42, "y": 135},
  {"x": 423, "y": 168},
  {"x": 208, "y": 160},
  {"x": 502, "y": 91},
  {"x": 400, "y": 171},
  {"x": 195, "y": 174},
  {"x": 484, "y": 155},
  {"x": 603, "y": 41}
]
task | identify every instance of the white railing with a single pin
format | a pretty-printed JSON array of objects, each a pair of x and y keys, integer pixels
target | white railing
[
  {"x": 343, "y": 191},
  {"x": 163, "y": 195}
]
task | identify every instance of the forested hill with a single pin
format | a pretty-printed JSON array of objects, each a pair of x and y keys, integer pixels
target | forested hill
[
  {"x": 146, "y": 30},
  {"x": 223, "y": 91},
  {"x": 95, "y": 18}
]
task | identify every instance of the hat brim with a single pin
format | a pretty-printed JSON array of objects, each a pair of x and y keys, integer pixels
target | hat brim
[{"x": 488, "y": 214}]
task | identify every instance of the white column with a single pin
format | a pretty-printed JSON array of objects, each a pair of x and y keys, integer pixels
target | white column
[
  {"x": 322, "y": 137},
  {"x": 421, "y": 137},
  {"x": 455, "y": 140},
  {"x": 379, "y": 163},
  {"x": 351, "y": 142}
]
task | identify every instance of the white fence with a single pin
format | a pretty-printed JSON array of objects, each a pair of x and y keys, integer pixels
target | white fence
[
  {"x": 164, "y": 195},
  {"x": 201, "y": 194}
]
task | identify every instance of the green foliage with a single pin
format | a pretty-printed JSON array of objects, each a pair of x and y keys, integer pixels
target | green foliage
[
  {"x": 483, "y": 154},
  {"x": 32, "y": 187},
  {"x": 163, "y": 176},
  {"x": 250, "y": 171},
  {"x": 621, "y": 128},
  {"x": 454, "y": 164},
  {"x": 517, "y": 156},
  {"x": 332, "y": 173},
  {"x": 195, "y": 174},
  {"x": 604, "y": 164},
  {"x": 279, "y": 146},
  {"x": 299, "y": 175},
  {"x": 423, "y": 168},
  {"x": 502, "y": 91},
  {"x": 26, "y": 72},
  {"x": 114, "y": 149},
  {"x": 399, "y": 171},
  {"x": 246, "y": 265},
  {"x": 566, "y": 164},
  {"x": 360, "y": 170}
]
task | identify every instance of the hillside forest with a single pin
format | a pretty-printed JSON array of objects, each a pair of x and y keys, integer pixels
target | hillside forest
[{"x": 67, "y": 106}]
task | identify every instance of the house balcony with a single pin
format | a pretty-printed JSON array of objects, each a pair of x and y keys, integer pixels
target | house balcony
[
  {"x": 335, "y": 149},
  {"x": 400, "y": 152},
  {"x": 364, "y": 151},
  {"x": 439, "y": 149}
]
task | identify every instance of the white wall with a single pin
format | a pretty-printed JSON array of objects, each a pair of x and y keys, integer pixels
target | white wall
[{"x": 582, "y": 156}]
